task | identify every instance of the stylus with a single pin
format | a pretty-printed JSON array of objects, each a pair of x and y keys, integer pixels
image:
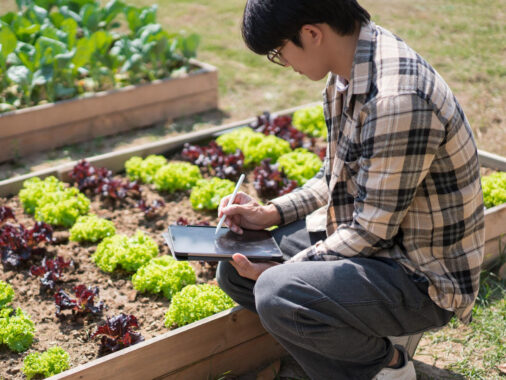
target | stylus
[{"x": 230, "y": 201}]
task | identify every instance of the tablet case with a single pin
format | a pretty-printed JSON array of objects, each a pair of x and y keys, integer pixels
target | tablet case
[{"x": 200, "y": 243}]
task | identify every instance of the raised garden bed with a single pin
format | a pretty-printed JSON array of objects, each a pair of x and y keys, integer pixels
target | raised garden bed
[
  {"x": 228, "y": 341},
  {"x": 49, "y": 126},
  {"x": 67, "y": 75}
]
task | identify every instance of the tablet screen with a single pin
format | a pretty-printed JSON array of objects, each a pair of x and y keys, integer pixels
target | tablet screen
[{"x": 202, "y": 241}]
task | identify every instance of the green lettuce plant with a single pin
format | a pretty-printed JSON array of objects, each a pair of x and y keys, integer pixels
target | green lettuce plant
[
  {"x": 53, "y": 202},
  {"x": 255, "y": 146},
  {"x": 144, "y": 170},
  {"x": 6, "y": 294},
  {"x": 176, "y": 176},
  {"x": 130, "y": 253},
  {"x": 16, "y": 329},
  {"x": 494, "y": 189},
  {"x": 195, "y": 302},
  {"x": 300, "y": 165},
  {"x": 207, "y": 193},
  {"x": 311, "y": 121},
  {"x": 47, "y": 363},
  {"x": 164, "y": 274},
  {"x": 91, "y": 228}
]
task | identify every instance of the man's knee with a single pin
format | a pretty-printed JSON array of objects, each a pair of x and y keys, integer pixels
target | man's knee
[{"x": 224, "y": 275}]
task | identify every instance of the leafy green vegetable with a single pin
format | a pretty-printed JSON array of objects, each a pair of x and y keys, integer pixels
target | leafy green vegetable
[
  {"x": 164, "y": 274},
  {"x": 255, "y": 146},
  {"x": 235, "y": 139},
  {"x": 6, "y": 294},
  {"x": 48, "y": 363},
  {"x": 300, "y": 165},
  {"x": 177, "y": 176},
  {"x": 195, "y": 302},
  {"x": 59, "y": 49},
  {"x": 207, "y": 193},
  {"x": 128, "y": 253},
  {"x": 494, "y": 189},
  {"x": 16, "y": 329},
  {"x": 91, "y": 228},
  {"x": 311, "y": 121},
  {"x": 52, "y": 202},
  {"x": 138, "y": 169}
]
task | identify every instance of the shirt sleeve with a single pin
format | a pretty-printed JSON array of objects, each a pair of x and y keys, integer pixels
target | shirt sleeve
[
  {"x": 304, "y": 200},
  {"x": 400, "y": 137}
]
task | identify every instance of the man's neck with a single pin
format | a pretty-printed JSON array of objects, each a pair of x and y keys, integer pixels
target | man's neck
[{"x": 341, "y": 53}]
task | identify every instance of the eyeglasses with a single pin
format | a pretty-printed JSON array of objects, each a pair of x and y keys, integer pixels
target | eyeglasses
[{"x": 275, "y": 56}]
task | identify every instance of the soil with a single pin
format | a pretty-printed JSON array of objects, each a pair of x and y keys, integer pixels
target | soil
[{"x": 116, "y": 289}]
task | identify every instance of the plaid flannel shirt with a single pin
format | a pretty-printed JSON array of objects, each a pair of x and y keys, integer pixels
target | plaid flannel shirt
[{"x": 401, "y": 176}]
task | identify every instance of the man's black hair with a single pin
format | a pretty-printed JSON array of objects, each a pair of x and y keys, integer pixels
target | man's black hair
[{"x": 268, "y": 23}]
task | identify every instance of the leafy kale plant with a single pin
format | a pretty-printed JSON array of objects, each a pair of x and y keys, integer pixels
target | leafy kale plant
[
  {"x": 255, "y": 146},
  {"x": 300, "y": 165},
  {"x": 207, "y": 193},
  {"x": 195, "y": 302},
  {"x": 16, "y": 329},
  {"x": 164, "y": 275},
  {"x": 494, "y": 189},
  {"x": 176, "y": 176},
  {"x": 53, "y": 202},
  {"x": 129, "y": 253},
  {"x": 6, "y": 294},
  {"x": 47, "y": 363},
  {"x": 144, "y": 170},
  {"x": 91, "y": 228},
  {"x": 311, "y": 121}
]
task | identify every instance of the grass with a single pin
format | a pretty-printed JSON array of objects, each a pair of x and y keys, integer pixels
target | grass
[
  {"x": 462, "y": 39},
  {"x": 474, "y": 351}
]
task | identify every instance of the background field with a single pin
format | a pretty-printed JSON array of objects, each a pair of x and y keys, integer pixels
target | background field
[{"x": 462, "y": 39}]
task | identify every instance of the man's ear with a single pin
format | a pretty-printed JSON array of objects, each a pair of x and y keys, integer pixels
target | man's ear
[{"x": 311, "y": 35}]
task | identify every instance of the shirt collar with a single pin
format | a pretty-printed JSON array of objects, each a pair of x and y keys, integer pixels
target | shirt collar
[{"x": 361, "y": 71}]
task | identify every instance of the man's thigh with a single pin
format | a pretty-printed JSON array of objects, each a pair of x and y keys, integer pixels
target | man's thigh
[
  {"x": 376, "y": 296},
  {"x": 294, "y": 237}
]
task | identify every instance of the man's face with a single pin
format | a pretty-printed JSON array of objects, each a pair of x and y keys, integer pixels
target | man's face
[{"x": 308, "y": 60}]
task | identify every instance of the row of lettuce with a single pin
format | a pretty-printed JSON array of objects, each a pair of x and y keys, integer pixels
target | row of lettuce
[{"x": 52, "y": 50}]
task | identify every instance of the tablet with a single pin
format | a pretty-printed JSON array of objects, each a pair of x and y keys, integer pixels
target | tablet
[{"x": 201, "y": 243}]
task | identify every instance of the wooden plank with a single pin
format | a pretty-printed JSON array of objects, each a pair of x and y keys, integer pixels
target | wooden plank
[
  {"x": 176, "y": 350},
  {"x": 495, "y": 221},
  {"x": 491, "y": 160},
  {"x": 103, "y": 125},
  {"x": 237, "y": 360},
  {"x": 64, "y": 112}
]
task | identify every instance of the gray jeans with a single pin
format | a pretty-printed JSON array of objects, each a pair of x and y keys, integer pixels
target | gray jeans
[{"x": 334, "y": 317}]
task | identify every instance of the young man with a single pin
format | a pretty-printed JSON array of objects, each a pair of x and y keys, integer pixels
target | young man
[{"x": 387, "y": 240}]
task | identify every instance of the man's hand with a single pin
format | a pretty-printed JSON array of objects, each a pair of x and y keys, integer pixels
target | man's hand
[
  {"x": 246, "y": 212},
  {"x": 248, "y": 269}
]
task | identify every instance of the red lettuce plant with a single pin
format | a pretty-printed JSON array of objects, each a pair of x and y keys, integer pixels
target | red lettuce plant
[
  {"x": 269, "y": 182},
  {"x": 6, "y": 213},
  {"x": 215, "y": 160},
  {"x": 50, "y": 271},
  {"x": 117, "y": 333},
  {"x": 19, "y": 245},
  {"x": 82, "y": 305},
  {"x": 280, "y": 126},
  {"x": 150, "y": 210},
  {"x": 100, "y": 181}
]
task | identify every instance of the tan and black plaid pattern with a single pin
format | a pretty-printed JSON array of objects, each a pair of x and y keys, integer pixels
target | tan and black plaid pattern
[{"x": 401, "y": 177}]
